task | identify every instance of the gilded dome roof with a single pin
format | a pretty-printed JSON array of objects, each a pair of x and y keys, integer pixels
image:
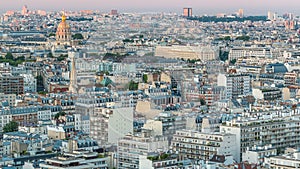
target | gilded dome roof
[
  {"x": 63, "y": 24},
  {"x": 63, "y": 32}
]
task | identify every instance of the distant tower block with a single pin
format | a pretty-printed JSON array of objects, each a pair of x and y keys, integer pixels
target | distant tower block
[
  {"x": 241, "y": 13},
  {"x": 24, "y": 10},
  {"x": 187, "y": 12},
  {"x": 114, "y": 12},
  {"x": 63, "y": 32}
]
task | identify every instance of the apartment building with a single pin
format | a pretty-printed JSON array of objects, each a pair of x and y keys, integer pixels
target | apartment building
[
  {"x": 82, "y": 123},
  {"x": 45, "y": 114},
  {"x": 117, "y": 67},
  {"x": 289, "y": 160},
  {"x": 108, "y": 125},
  {"x": 267, "y": 93},
  {"x": 131, "y": 147},
  {"x": 198, "y": 145},
  {"x": 10, "y": 84},
  {"x": 10, "y": 98},
  {"x": 290, "y": 78},
  {"x": 166, "y": 123},
  {"x": 30, "y": 83},
  {"x": 236, "y": 84},
  {"x": 77, "y": 159},
  {"x": 257, "y": 154},
  {"x": 156, "y": 161},
  {"x": 245, "y": 52},
  {"x": 56, "y": 132},
  {"x": 281, "y": 132},
  {"x": 27, "y": 116}
]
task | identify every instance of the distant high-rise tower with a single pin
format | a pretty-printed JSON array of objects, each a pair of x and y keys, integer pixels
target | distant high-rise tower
[
  {"x": 24, "y": 10},
  {"x": 290, "y": 24},
  {"x": 187, "y": 12},
  {"x": 241, "y": 13},
  {"x": 114, "y": 12},
  {"x": 272, "y": 16},
  {"x": 290, "y": 16}
]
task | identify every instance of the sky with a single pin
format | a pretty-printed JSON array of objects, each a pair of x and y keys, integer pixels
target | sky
[{"x": 251, "y": 7}]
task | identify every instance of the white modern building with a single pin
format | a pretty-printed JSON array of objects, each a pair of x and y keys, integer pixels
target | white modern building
[
  {"x": 131, "y": 147},
  {"x": 77, "y": 159},
  {"x": 45, "y": 114},
  {"x": 198, "y": 145},
  {"x": 235, "y": 85},
  {"x": 30, "y": 83},
  {"x": 120, "y": 123},
  {"x": 108, "y": 125},
  {"x": 257, "y": 154},
  {"x": 245, "y": 52},
  {"x": 281, "y": 132},
  {"x": 82, "y": 123},
  {"x": 287, "y": 161}
]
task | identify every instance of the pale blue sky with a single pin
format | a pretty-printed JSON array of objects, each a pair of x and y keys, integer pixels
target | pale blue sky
[{"x": 199, "y": 6}]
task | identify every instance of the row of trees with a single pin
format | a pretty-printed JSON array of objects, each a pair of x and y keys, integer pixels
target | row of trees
[
  {"x": 116, "y": 57},
  {"x": 59, "y": 58},
  {"x": 9, "y": 58},
  {"x": 10, "y": 127},
  {"x": 228, "y": 38}
]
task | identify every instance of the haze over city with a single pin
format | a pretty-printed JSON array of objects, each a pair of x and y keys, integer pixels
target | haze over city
[
  {"x": 251, "y": 7},
  {"x": 140, "y": 84}
]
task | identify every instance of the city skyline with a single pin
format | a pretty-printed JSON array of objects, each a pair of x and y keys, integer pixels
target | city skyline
[{"x": 251, "y": 7}]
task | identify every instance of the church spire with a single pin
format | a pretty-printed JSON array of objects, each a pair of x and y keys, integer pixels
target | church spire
[{"x": 73, "y": 74}]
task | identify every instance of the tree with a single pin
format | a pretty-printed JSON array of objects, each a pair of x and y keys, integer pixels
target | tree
[
  {"x": 39, "y": 77},
  {"x": 202, "y": 102},
  {"x": 50, "y": 55},
  {"x": 51, "y": 34},
  {"x": 42, "y": 92},
  {"x": 62, "y": 57},
  {"x": 233, "y": 61},
  {"x": 57, "y": 115},
  {"x": 77, "y": 36},
  {"x": 227, "y": 38},
  {"x": 243, "y": 38},
  {"x": 9, "y": 56},
  {"x": 145, "y": 78},
  {"x": 223, "y": 55},
  {"x": 164, "y": 156},
  {"x": 10, "y": 127},
  {"x": 133, "y": 85}
]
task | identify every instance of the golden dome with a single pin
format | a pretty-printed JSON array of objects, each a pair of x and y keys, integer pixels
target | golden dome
[
  {"x": 63, "y": 25},
  {"x": 63, "y": 32},
  {"x": 63, "y": 18}
]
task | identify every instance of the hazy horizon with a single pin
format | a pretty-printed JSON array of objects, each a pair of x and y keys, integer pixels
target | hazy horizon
[{"x": 251, "y": 7}]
